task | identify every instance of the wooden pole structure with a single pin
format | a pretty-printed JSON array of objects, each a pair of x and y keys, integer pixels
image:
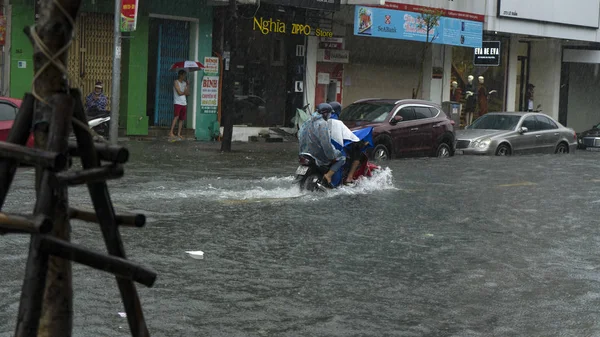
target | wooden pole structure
[{"x": 52, "y": 110}]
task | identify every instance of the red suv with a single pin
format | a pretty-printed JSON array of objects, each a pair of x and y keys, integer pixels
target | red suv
[{"x": 403, "y": 127}]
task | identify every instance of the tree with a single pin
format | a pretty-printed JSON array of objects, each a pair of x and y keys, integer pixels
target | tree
[{"x": 427, "y": 22}]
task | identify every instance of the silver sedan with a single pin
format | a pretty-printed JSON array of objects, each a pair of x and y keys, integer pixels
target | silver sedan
[{"x": 507, "y": 133}]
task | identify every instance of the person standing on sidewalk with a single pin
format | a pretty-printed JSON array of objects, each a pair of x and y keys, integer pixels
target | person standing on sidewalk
[{"x": 181, "y": 89}]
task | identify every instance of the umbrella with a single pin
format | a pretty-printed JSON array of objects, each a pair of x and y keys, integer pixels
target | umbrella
[{"x": 187, "y": 66}]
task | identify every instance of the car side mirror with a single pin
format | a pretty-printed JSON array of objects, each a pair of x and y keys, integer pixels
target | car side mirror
[
  {"x": 523, "y": 130},
  {"x": 396, "y": 119}
]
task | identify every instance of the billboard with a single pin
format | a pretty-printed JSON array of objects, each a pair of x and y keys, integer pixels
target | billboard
[
  {"x": 397, "y": 24},
  {"x": 583, "y": 13}
]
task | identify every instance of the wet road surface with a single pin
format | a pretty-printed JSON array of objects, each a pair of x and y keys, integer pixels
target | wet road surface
[{"x": 465, "y": 246}]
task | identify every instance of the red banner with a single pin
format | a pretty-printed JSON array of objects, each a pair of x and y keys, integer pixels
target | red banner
[
  {"x": 445, "y": 12},
  {"x": 128, "y": 15},
  {"x": 2, "y": 30}
]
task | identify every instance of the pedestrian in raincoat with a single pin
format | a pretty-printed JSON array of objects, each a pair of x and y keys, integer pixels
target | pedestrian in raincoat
[{"x": 314, "y": 138}]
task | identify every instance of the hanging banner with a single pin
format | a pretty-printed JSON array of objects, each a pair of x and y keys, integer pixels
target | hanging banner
[
  {"x": 128, "y": 15},
  {"x": 209, "y": 94},
  {"x": 396, "y": 24},
  {"x": 2, "y": 30},
  {"x": 211, "y": 65}
]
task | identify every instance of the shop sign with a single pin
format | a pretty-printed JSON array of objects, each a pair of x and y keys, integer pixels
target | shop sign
[
  {"x": 268, "y": 26},
  {"x": 209, "y": 94},
  {"x": 128, "y": 15},
  {"x": 331, "y": 43},
  {"x": 211, "y": 65},
  {"x": 2, "y": 30},
  {"x": 403, "y": 25},
  {"x": 488, "y": 54},
  {"x": 325, "y": 5},
  {"x": 333, "y": 56}
]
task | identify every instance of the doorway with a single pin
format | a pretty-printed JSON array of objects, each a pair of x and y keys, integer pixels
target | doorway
[
  {"x": 523, "y": 68},
  {"x": 171, "y": 44}
]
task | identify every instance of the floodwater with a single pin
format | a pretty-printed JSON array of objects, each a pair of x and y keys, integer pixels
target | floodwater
[{"x": 465, "y": 246}]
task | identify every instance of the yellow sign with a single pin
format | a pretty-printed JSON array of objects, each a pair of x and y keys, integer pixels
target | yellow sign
[{"x": 277, "y": 26}]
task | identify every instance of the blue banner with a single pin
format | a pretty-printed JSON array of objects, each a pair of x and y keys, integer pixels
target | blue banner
[{"x": 395, "y": 24}]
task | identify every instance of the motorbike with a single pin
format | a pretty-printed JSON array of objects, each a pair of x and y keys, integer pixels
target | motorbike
[
  {"x": 99, "y": 121},
  {"x": 309, "y": 175}
]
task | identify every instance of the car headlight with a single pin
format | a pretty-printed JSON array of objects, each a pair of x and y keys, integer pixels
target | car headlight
[{"x": 483, "y": 143}]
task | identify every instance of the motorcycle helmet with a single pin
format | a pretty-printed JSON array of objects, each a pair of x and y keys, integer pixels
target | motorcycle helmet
[
  {"x": 337, "y": 107},
  {"x": 325, "y": 110}
]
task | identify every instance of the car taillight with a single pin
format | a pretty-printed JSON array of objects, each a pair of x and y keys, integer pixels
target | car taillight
[{"x": 304, "y": 161}]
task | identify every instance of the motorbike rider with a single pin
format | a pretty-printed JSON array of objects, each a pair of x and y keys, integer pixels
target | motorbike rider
[
  {"x": 337, "y": 110},
  {"x": 314, "y": 138},
  {"x": 354, "y": 149},
  {"x": 96, "y": 102}
]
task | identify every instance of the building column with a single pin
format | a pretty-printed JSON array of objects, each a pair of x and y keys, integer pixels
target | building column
[
  {"x": 546, "y": 60},
  {"x": 438, "y": 62},
  {"x": 310, "y": 81},
  {"x": 134, "y": 80},
  {"x": 511, "y": 78}
]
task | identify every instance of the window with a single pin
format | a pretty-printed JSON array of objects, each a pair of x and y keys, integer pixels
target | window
[
  {"x": 422, "y": 112},
  {"x": 7, "y": 112},
  {"x": 434, "y": 112},
  {"x": 530, "y": 123},
  {"x": 546, "y": 123},
  {"x": 366, "y": 111},
  {"x": 407, "y": 113}
]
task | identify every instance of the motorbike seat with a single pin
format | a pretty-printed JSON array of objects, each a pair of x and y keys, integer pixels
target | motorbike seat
[{"x": 99, "y": 114}]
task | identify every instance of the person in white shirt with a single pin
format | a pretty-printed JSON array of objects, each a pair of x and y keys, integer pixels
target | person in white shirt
[{"x": 181, "y": 89}]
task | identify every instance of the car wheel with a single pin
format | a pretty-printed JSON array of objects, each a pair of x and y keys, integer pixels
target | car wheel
[
  {"x": 503, "y": 150},
  {"x": 562, "y": 148},
  {"x": 381, "y": 153},
  {"x": 443, "y": 151}
]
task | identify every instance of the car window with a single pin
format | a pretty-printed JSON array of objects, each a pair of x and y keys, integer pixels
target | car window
[
  {"x": 422, "y": 112},
  {"x": 434, "y": 112},
  {"x": 530, "y": 123},
  {"x": 7, "y": 112},
  {"x": 546, "y": 123},
  {"x": 407, "y": 113},
  {"x": 366, "y": 111}
]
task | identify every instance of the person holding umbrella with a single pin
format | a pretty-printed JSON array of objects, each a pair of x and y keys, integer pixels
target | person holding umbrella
[{"x": 181, "y": 90}]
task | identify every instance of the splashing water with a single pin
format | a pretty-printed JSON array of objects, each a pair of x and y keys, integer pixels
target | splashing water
[{"x": 265, "y": 189}]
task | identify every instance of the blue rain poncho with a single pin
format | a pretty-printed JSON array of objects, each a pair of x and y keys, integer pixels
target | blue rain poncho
[{"x": 314, "y": 137}]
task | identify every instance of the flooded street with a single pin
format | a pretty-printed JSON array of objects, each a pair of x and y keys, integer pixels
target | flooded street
[{"x": 465, "y": 246}]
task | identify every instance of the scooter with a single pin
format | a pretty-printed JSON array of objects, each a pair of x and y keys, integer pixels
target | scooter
[
  {"x": 309, "y": 175},
  {"x": 99, "y": 121}
]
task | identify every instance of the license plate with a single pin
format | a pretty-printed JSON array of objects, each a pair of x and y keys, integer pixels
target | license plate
[
  {"x": 459, "y": 152},
  {"x": 302, "y": 170}
]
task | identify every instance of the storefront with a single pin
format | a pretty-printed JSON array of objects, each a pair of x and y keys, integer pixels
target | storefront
[
  {"x": 385, "y": 49},
  {"x": 270, "y": 60},
  {"x": 482, "y": 72}
]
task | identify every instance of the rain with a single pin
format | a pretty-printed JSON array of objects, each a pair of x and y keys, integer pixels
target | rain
[{"x": 306, "y": 168}]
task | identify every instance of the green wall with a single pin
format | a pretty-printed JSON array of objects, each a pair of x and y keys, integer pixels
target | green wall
[
  {"x": 134, "y": 76},
  {"x": 21, "y": 50}
]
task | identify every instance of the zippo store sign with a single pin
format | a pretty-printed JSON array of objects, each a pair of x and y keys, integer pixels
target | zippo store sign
[{"x": 268, "y": 26}]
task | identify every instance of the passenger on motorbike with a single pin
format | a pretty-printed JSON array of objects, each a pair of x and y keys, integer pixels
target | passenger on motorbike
[
  {"x": 353, "y": 150},
  {"x": 314, "y": 138},
  {"x": 337, "y": 110}
]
